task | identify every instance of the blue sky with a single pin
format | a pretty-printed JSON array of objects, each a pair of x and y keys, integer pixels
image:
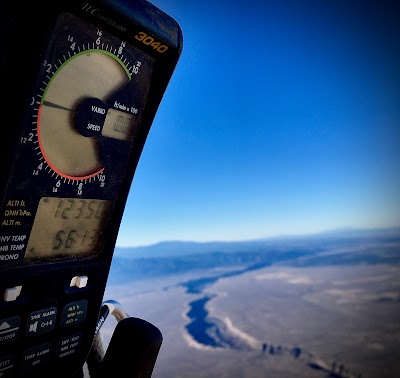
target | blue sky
[{"x": 281, "y": 118}]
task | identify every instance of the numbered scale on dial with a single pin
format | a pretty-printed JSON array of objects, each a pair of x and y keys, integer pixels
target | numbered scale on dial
[{"x": 76, "y": 142}]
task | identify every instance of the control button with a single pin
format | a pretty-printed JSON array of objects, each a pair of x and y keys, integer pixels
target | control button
[
  {"x": 36, "y": 358},
  {"x": 7, "y": 366},
  {"x": 73, "y": 313},
  {"x": 9, "y": 330},
  {"x": 12, "y": 293},
  {"x": 79, "y": 281},
  {"x": 69, "y": 346},
  {"x": 41, "y": 321}
]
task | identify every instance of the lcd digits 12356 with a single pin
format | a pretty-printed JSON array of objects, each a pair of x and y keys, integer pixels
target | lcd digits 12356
[{"x": 67, "y": 227}]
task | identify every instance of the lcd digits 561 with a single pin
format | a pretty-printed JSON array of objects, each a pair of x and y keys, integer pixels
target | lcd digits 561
[{"x": 67, "y": 227}]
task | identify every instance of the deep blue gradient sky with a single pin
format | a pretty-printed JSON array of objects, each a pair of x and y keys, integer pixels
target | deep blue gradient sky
[{"x": 281, "y": 118}]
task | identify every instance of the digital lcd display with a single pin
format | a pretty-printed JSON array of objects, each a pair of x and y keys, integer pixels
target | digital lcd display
[
  {"x": 67, "y": 227},
  {"x": 118, "y": 125}
]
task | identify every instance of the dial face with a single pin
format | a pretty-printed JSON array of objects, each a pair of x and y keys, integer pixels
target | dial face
[
  {"x": 65, "y": 150},
  {"x": 77, "y": 141}
]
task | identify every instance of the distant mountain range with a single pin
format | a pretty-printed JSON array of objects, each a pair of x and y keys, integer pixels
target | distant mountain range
[
  {"x": 349, "y": 246},
  {"x": 183, "y": 248}
]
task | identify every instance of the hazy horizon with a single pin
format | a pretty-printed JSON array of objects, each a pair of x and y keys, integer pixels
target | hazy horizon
[{"x": 328, "y": 232}]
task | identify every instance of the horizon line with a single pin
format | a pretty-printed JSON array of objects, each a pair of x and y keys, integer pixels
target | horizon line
[{"x": 345, "y": 229}]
